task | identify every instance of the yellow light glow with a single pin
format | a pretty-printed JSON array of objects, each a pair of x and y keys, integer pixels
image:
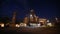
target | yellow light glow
[
  {"x": 2, "y": 25},
  {"x": 17, "y": 25},
  {"x": 23, "y": 24},
  {"x": 49, "y": 24}
]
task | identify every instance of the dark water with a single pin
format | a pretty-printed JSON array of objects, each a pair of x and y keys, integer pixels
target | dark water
[
  {"x": 11, "y": 32},
  {"x": 52, "y": 30}
]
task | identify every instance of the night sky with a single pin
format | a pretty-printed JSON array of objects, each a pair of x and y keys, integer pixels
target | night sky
[{"x": 42, "y": 8}]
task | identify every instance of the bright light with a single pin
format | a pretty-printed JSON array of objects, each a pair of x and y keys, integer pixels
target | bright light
[
  {"x": 35, "y": 25},
  {"x": 31, "y": 15},
  {"x": 23, "y": 24},
  {"x": 47, "y": 20},
  {"x": 17, "y": 25},
  {"x": 2, "y": 25},
  {"x": 49, "y": 24},
  {"x": 38, "y": 25}
]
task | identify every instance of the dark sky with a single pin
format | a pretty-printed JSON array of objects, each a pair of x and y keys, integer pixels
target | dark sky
[{"x": 42, "y": 8}]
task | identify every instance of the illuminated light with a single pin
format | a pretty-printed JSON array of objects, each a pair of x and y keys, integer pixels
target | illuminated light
[
  {"x": 2, "y": 25},
  {"x": 23, "y": 24},
  {"x": 47, "y": 20},
  {"x": 41, "y": 21},
  {"x": 31, "y": 15},
  {"x": 49, "y": 24},
  {"x": 38, "y": 25},
  {"x": 17, "y": 25},
  {"x": 35, "y": 25}
]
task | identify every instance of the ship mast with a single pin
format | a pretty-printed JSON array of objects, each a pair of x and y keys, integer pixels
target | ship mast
[{"x": 14, "y": 17}]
